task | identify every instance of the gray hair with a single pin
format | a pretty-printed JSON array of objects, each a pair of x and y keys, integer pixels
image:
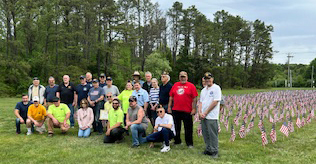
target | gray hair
[
  {"x": 168, "y": 77},
  {"x": 148, "y": 73},
  {"x": 51, "y": 77},
  {"x": 154, "y": 79}
]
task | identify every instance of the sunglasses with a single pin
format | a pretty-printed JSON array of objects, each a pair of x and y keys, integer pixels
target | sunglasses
[
  {"x": 116, "y": 103},
  {"x": 108, "y": 96},
  {"x": 130, "y": 100},
  {"x": 160, "y": 111}
]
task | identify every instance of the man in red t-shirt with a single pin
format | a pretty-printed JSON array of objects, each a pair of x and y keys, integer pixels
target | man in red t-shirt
[{"x": 183, "y": 94}]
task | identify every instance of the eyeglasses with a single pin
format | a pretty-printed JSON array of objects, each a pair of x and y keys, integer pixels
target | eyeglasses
[
  {"x": 108, "y": 96},
  {"x": 159, "y": 111}
]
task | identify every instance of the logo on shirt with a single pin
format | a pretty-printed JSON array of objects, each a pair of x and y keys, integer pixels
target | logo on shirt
[
  {"x": 69, "y": 87},
  {"x": 95, "y": 93},
  {"x": 180, "y": 91},
  {"x": 211, "y": 94},
  {"x": 84, "y": 89}
]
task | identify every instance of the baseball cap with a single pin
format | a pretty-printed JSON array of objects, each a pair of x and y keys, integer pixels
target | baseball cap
[
  {"x": 35, "y": 98},
  {"x": 183, "y": 73},
  {"x": 208, "y": 75},
  {"x": 82, "y": 77},
  {"x": 165, "y": 73},
  {"x": 35, "y": 78},
  {"x": 55, "y": 99},
  {"x": 102, "y": 75},
  {"x": 132, "y": 99},
  {"x": 109, "y": 78},
  {"x": 95, "y": 81}
]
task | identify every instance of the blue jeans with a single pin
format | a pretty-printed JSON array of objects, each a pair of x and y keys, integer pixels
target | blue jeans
[
  {"x": 18, "y": 125},
  {"x": 137, "y": 131},
  {"x": 84, "y": 133},
  {"x": 72, "y": 111},
  {"x": 164, "y": 134}
]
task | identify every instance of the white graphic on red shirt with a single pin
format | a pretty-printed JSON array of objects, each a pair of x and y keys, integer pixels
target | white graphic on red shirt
[{"x": 180, "y": 91}]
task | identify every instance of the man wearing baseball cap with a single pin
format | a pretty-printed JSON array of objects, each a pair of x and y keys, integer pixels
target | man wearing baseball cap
[
  {"x": 82, "y": 89},
  {"x": 95, "y": 96},
  {"x": 209, "y": 106},
  {"x": 102, "y": 82},
  {"x": 110, "y": 87},
  {"x": 183, "y": 94},
  {"x": 36, "y": 116},
  {"x": 59, "y": 114}
]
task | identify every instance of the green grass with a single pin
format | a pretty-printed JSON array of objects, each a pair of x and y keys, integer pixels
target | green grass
[
  {"x": 297, "y": 148},
  {"x": 248, "y": 91}
]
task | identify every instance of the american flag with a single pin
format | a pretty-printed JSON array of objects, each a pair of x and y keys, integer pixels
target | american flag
[
  {"x": 264, "y": 137},
  {"x": 199, "y": 130},
  {"x": 260, "y": 124},
  {"x": 242, "y": 130},
  {"x": 287, "y": 115},
  {"x": 226, "y": 123},
  {"x": 222, "y": 118},
  {"x": 271, "y": 119},
  {"x": 308, "y": 120},
  {"x": 250, "y": 125},
  {"x": 284, "y": 129},
  {"x": 233, "y": 135},
  {"x": 273, "y": 134},
  {"x": 298, "y": 122},
  {"x": 312, "y": 113},
  {"x": 303, "y": 121},
  {"x": 219, "y": 127},
  {"x": 291, "y": 127},
  {"x": 236, "y": 120}
]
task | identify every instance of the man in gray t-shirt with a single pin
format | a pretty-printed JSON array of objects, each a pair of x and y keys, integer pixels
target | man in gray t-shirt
[
  {"x": 95, "y": 96},
  {"x": 111, "y": 88}
]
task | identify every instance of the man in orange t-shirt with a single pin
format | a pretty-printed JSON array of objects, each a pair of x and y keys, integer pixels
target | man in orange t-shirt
[{"x": 36, "y": 116}]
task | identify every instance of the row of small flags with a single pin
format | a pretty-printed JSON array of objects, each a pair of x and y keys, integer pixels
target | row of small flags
[{"x": 252, "y": 110}]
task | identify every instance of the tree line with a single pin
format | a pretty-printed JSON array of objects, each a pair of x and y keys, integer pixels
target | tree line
[{"x": 55, "y": 37}]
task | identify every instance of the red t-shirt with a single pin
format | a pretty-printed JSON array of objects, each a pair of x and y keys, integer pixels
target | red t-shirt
[{"x": 183, "y": 95}]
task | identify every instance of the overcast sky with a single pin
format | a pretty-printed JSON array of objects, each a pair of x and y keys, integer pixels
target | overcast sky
[{"x": 293, "y": 21}]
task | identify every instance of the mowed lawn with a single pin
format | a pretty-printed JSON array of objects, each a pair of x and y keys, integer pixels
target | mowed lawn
[{"x": 297, "y": 148}]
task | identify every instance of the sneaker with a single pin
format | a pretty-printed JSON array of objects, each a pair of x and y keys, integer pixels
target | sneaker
[
  {"x": 207, "y": 153},
  {"x": 190, "y": 147},
  {"x": 163, "y": 145},
  {"x": 135, "y": 146},
  {"x": 165, "y": 149},
  {"x": 28, "y": 133},
  {"x": 50, "y": 135},
  {"x": 214, "y": 156}
]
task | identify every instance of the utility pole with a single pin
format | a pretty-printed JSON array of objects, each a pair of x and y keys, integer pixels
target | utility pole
[
  {"x": 288, "y": 70},
  {"x": 312, "y": 82}
]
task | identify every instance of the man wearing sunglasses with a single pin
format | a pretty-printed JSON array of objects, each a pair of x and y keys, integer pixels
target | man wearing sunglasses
[
  {"x": 164, "y": 130},
  {"x": 209, "y": 106},
  {"x": 115, "y": 128},
  {"x": 137, "y": 120}
]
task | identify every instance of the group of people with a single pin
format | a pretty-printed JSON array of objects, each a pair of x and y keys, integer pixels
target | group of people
[{"x": 100, "y": 104}]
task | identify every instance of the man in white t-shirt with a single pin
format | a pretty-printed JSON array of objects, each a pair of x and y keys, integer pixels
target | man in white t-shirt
[
  {"x": 209, "y": 106},
  {"x": 164, "y": 130}
]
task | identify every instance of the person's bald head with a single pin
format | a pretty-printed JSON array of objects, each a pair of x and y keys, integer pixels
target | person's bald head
[
  {"x": 88, "y": 76},
  {"x": 66, "y": 79}
]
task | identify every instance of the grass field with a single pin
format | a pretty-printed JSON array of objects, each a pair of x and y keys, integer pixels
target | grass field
[{"x": 297, "y": 148}]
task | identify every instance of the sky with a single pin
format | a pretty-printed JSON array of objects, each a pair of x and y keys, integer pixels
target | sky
[{"x": 293, "y": 21}]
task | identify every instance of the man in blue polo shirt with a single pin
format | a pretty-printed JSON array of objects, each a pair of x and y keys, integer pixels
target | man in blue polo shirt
[
  {"x": 141, "y": 95},
  {"x": 50, "y": 92},
  {"x": 20, "y": 112},
  {"x": 82, "y": 89}
]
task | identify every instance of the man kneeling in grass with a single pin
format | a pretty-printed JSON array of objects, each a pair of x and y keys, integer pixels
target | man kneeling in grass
[
  {"x": 164, "y": 130},
  {"x": 36, "y": 116},
  {"x": 58, "y": 114},
  {"x": 115, "y": 128}
]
